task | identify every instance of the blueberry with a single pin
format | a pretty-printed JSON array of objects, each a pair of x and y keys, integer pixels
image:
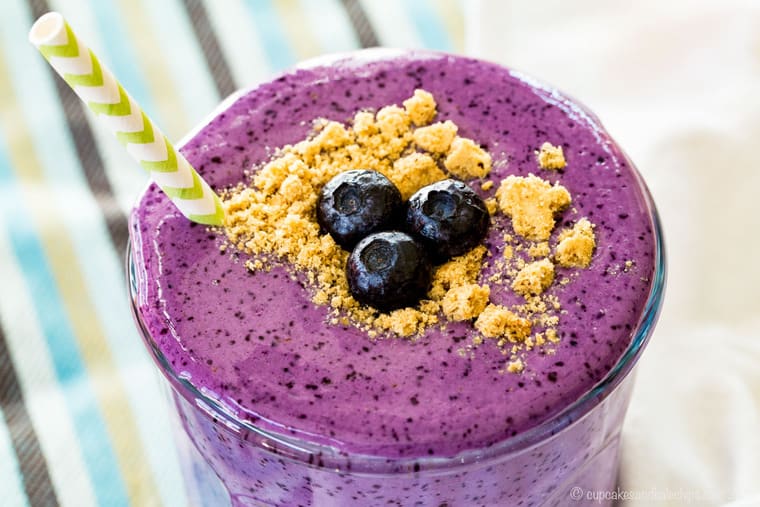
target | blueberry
[
  {"x": 448, "y": 217},
  {"x": 356, "y": 203},
  {"x": 388, "y": 270}
]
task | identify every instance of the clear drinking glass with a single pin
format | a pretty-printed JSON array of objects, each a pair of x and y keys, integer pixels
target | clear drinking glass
[{"x": 230, "y": 461}]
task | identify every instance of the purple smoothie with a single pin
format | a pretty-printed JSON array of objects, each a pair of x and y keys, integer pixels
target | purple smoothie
[{"x": 256, "y": 344}]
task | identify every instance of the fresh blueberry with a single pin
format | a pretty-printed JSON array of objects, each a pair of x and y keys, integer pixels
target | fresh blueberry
[
  {"x": 388, "y": 270},
  {"x": 448, "y": 217},
  {"x": 356, "y": 203}
]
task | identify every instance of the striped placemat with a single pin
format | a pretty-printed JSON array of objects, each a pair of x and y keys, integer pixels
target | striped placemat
[{"x": 82, "y": 420}]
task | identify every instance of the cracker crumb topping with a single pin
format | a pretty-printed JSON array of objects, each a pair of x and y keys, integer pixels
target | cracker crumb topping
[
  {"x": 541, "y": 249},
  {"x": 413, "y": 172},
  {"x": 551, "y": 157},
  {"x": 460, "y": 270},
  {"x": 497, "y": 321},
  {"x": 437, "y": 137},
  {"x": 421, "y": 107},
  {"x": 534, "y": 278},
  {"x": 532, "y": 203},
  {"x": 467, "y": 160},
  {"x": 492, "y": 206},
  {"x": 576, "y": 245},
  {"x": 515, "y": 366},
  {"x": 392, "y": 121},
  {"x": 465, "y": 302}
]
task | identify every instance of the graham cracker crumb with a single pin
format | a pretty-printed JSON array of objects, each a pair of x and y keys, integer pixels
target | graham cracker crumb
[
  {"x": 404, "y": 322},
  {"x": 421, "y": 107},
  {"x": 392, "y": 121},
  {"x": 508, "y": 252},
  {"x": 253, "y": 265},
  {"x": 534, "y": 278},
  {"x": 414, "y": 171},
  {"x": 551, "y": 157},
  {"x": 364, "y": 125},
  {"x": 539, "y": 249},
  {"x": 486, "y": 185},
  {"x": 532, "y": 203},
  {"x": 515, "y": 366},
  {"x": 491, "y": 205},
  {"x": 628, "y": 266},
  {"x": 496, "y": 321},
  {"x": 460, "y": 270},
  {"x": 465, "y": 301},
  {"x": 576, "y": 245},
  {"x": 467, "y": 160},
  {"x": 436, "y": 138}
]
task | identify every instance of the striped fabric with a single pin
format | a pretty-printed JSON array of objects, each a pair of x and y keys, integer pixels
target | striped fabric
[{"x": 82, "y": 420}]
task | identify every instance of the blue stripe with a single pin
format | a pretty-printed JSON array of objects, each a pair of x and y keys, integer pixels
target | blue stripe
[
  {"x": 429, "y": 25},
  {"x": 273, "y": 38},
  {"x": 119, "y": 54},
  {"x": 69, "y": 368}
]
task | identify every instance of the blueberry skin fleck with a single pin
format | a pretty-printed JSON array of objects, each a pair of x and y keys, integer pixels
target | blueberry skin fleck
[
  {"x": 388, "y": 270},
  {"x": 356, "y": 203},
  {"x": 448, "y": 217}
]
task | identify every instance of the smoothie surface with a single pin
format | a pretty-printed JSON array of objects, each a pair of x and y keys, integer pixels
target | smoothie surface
[{"x": 257, "y": 343}]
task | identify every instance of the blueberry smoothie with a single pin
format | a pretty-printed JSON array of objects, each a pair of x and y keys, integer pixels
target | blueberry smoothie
[{"x": 290, "y": 399}]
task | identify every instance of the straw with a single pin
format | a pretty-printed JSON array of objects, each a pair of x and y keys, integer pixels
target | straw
[{"x": 105, "y": 97}]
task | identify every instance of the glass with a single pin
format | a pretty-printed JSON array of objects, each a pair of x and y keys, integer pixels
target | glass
[{"x": 228, "y": 461}]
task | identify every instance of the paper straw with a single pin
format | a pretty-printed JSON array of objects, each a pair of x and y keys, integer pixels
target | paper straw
[{"x": 105, "y": 97}]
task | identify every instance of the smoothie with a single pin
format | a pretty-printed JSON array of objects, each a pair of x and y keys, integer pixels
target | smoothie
[{"x": 290, "y": 406}]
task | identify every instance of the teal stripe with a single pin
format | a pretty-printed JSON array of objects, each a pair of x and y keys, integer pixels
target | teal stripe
[
  {"x": 429, "y": 25},
  {"x": 11, "y": 484},
  {"x": 273, "y": 38},
  {"x": 118, "y": 55},
  {"x": 67, "y": 361}
]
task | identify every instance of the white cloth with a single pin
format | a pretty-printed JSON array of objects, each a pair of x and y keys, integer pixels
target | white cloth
[{"x": 677, "y": 84}]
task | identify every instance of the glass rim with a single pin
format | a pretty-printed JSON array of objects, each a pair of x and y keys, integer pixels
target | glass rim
[{"x": 300, "y": 450}]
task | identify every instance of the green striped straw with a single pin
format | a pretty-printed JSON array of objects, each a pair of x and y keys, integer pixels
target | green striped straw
[{"x": 105, "y": 97}]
